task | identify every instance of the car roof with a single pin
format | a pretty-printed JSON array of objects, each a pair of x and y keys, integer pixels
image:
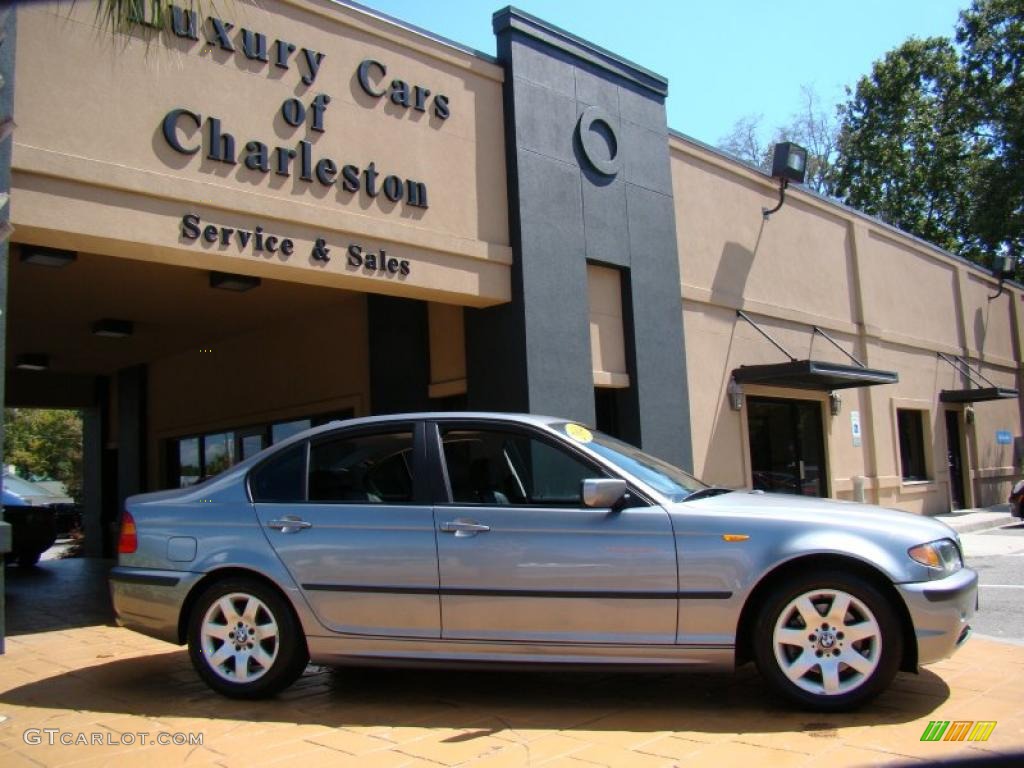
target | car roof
[{"x": 515, "y": 418}]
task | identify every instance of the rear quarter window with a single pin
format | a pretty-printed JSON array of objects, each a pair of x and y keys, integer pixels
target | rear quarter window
[{"x": 282, "y": 477}]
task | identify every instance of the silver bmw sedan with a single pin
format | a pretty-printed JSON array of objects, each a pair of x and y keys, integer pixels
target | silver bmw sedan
[{"x": 452, "y": 538}]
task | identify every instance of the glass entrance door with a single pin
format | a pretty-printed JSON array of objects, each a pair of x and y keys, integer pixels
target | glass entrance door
[{"x": 787, "y": 446}]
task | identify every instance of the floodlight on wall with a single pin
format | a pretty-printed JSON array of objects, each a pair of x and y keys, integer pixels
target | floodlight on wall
[
  {"x": 1002, "y": 271},
  {"x": 46, "y": 257},
  {"x": 112, "y": 328},
  {"x": 231, "y": 282},
  {"x": 789, "y": 164},
  {"x": 32, "y": 362},
  {"x": 835, "y": 403},
  {"x": 735, "y": 392}
]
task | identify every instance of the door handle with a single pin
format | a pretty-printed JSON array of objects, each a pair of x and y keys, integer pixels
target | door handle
[
  {"x": 803, "y": 473},
  {"x": 462, "y": 528},
  {"x": 289, "y": 524}
]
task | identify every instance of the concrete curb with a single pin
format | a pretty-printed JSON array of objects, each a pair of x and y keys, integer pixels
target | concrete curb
[{"x": 974, "y": 526}]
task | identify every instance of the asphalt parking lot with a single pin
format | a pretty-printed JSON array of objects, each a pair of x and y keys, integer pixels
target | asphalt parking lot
[{"x": 98, "y": 684}]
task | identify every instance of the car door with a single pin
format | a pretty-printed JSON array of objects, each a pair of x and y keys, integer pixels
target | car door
[
  {"x": 521, "y": 558},
  {"x": 347, "y": 515}
]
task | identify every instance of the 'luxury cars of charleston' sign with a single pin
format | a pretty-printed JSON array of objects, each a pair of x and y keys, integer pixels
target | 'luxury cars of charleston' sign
[{"x": 188, "y": 131}]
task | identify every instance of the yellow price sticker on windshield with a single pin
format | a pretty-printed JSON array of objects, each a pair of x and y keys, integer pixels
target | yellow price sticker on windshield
[{"x": 578, "y": 433}]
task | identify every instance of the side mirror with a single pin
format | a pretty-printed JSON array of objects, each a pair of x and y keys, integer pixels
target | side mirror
[{"x": 603, "y": 492}]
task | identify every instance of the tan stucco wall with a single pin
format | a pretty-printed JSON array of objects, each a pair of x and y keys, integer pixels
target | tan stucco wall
[
  {"x": 891, "y": 300},
  {"x": 93, "y": 171}
]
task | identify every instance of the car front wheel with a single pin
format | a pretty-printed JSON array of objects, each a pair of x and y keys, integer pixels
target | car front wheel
[
  {"x": 828, "y": 642},
  {"x": 244, "y": 640}
]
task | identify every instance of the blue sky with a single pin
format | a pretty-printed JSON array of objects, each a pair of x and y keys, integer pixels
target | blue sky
[{"x": 725, "y": 59}]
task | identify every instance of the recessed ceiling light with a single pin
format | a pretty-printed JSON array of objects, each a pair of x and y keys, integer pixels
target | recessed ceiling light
[
  {"x": 113, "y": 328},
  {"x": 32, "y": 362},
  {"x": 46, "y": 257},
  {"x": 231, "y": 282}
]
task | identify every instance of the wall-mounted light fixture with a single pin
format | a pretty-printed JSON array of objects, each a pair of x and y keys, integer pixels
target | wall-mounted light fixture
[
  {"x": 231, "y": 282},
  {"x": 835, "y": 403},
  {"x": 1003, "y": 270},
  {"x": 735, "y": 392},
  {"x": 789, "y": 164},
  {"x": 969, "y": 414},
  {"x": 112, "y": 328},
  {"x": 32, "y": 362},
  {"x": 46, "y": 257}
]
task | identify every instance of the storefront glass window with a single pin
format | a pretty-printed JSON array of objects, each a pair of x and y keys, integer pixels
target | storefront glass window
[
  {"x": 286, "y": 429},
  {"x": 189, "y": 469},
  {"x": 251, "y": 445},
  {"x": 218, "y": 453},
  {"x": 910, "y": 423}
]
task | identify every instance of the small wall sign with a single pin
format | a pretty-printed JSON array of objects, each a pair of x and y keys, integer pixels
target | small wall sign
[
  {"x": 1004, "y": 437},
  {"x": 855, "y": 427}
]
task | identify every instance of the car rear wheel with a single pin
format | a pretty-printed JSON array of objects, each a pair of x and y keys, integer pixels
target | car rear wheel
[
  {"x": 828, "y": 642},
  {"x": 244, "y": 640}
]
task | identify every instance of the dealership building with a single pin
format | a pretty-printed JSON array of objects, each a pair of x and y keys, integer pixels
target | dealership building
[{"x": 253, "y": 218}]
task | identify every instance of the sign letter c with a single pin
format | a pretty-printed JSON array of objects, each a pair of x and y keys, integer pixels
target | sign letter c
[{"x": 170, "y": 127}]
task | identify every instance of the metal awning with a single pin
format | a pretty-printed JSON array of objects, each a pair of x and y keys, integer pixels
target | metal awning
[
  {"x": 813, "y": 374},
  {"x": 976, "y": 393},
  {"x": 810, "y": 374}
]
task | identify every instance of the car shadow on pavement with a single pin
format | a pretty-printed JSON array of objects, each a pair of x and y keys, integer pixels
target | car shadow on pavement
[{"x": 164, "y": 686}]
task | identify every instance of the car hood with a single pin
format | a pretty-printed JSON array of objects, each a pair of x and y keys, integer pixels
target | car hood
[{"x": 819, "y": 513}]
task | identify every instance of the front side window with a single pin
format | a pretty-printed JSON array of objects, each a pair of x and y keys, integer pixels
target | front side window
[
  {"x": 369, "y": 468},
  {"x": 507, "y": 468},
  {"x": 910, "y": 423}
]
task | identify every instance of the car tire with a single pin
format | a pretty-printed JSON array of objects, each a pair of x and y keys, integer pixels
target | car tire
[
  {"x": 244, "y": 640},
  {"x": 829, "y": 642}
]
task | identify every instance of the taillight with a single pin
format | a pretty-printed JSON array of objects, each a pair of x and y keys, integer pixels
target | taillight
[{"x": 128, "y": 541}]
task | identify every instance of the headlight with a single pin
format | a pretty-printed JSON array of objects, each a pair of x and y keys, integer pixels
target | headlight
[{"x": 942, "y": 555}]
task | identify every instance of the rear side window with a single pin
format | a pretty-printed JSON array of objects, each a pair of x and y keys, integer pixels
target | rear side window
[
  {"x": 368, "y": 468},
  {"x": 281, "y": 478}
]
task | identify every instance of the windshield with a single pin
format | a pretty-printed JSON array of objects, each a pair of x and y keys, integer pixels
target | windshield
[{"x": 668, "y": 480}]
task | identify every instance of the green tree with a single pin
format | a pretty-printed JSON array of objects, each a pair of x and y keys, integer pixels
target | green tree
[
  {"x": 45, "y": 443},
  {"x": 991, "y": 33},
  {"x": 906, "y": 152},
  {"x": 933, "y": 140}
]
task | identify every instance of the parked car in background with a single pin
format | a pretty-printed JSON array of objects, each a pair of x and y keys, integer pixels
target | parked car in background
[
  {"x": 510, "y": 539},
  {"x": 1017, "y": 500},
  {"x": 33, "y": 521}
]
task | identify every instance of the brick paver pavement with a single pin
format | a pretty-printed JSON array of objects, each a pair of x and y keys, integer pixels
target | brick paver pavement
[
  {"x": 109, "y": 681},
  {"x": 71, "y": 675}
]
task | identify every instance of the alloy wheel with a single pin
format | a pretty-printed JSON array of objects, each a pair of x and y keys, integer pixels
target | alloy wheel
[
  {"x": 239, "y": 638},
  {"x": 827, "y": 642}
]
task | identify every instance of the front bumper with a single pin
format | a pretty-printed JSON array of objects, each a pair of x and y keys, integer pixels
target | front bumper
[
  {"x": 941, "y": 612},
  {"x": 149, "y": 600}
]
